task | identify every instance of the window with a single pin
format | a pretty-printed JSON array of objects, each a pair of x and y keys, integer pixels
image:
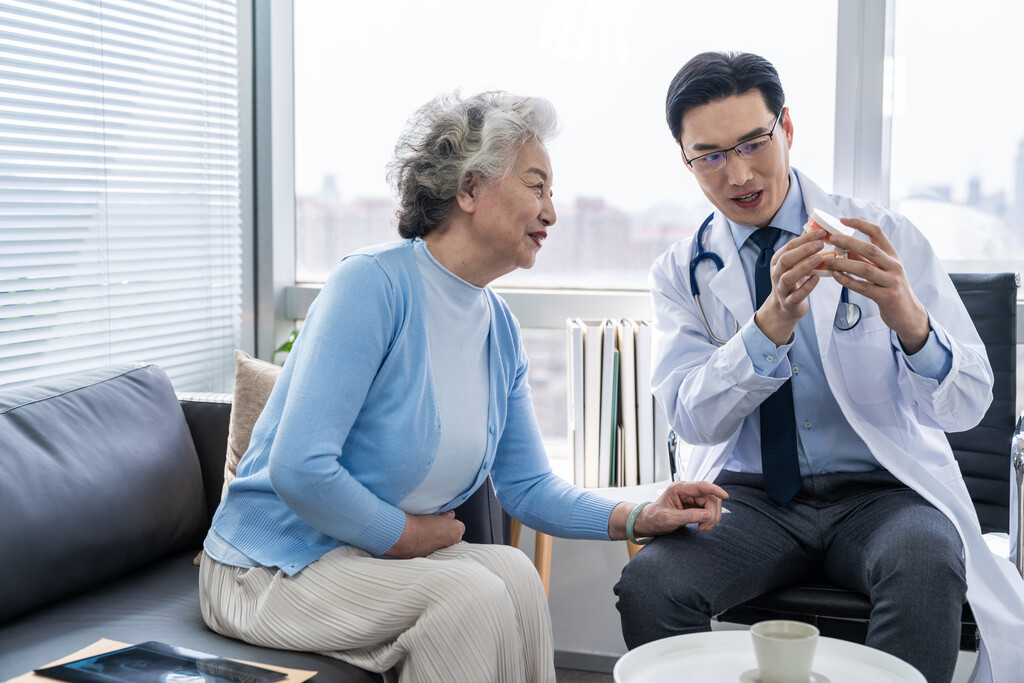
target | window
[
  {"x": 119, "y": 188},
  {"x": 957, "y": 133},
  {"x": 621, "y": 190}
]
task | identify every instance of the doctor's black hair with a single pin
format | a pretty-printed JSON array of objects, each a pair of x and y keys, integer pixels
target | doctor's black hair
[{"x": 713, "y": 76}]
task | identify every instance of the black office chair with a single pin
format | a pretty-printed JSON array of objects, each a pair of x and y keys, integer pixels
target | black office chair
[{"x": 983, "y": 453}]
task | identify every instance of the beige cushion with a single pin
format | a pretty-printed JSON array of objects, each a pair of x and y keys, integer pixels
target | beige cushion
[{"x": 254, "y": 380}]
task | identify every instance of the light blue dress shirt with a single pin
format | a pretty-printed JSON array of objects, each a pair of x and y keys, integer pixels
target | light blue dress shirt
[{"x": 827, "y": 443}]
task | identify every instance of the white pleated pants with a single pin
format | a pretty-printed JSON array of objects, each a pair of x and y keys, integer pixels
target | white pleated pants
[{"x": 473, "y": 613}]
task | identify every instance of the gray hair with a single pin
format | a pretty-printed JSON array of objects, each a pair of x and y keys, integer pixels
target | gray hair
[{"x": 450, "y": 139}]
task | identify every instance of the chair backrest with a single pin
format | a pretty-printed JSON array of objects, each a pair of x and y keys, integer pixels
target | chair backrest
[{"x": 983, "y": 452}]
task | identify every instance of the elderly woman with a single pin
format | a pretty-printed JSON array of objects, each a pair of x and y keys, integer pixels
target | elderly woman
[{"x": 405, "y": 390}]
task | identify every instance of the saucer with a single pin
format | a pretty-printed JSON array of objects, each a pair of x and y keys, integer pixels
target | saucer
[{"x": 754, "y": 676}]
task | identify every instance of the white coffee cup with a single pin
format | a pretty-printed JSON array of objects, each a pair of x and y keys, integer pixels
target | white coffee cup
[{"x": 784, "y": 650}]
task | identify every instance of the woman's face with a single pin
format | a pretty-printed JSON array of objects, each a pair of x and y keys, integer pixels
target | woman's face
[{"x": 512, "y": 215}]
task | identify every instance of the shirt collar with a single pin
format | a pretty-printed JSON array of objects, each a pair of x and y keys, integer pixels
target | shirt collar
[{"x": 790, "y": 217}]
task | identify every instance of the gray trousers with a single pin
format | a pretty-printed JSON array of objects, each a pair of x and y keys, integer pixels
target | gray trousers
[{"x": 866, "y": 531}]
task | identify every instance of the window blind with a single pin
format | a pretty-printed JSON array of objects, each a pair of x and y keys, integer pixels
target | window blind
[{"x": 120, "y": 233}]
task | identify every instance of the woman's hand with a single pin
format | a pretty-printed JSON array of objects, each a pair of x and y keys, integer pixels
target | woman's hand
[
  {"x": 682, "y": 503},
  {"x": 423, "y": 534}
]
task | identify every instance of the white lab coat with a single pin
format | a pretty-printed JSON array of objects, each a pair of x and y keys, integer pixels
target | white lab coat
[{"x": 707, "y": 390}]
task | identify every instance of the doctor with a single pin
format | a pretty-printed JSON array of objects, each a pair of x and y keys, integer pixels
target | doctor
[{"x": 828, "y": 436}]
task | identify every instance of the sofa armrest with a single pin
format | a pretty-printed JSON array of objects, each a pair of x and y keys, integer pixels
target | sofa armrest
[{"x": 208, "y": 416}]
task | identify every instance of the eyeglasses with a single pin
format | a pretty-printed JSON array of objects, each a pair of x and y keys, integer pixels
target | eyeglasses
[{"x": 748, "y": 149}]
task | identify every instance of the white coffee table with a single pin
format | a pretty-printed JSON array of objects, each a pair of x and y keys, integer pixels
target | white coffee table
[{"x": 729, "y": 656}]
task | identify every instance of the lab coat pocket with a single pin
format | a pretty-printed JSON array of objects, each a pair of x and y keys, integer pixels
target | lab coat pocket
[{"x": 868, "y": 361}]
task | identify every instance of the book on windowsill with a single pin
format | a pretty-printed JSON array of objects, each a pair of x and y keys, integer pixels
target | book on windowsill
[{"x": 110, "y": 661}]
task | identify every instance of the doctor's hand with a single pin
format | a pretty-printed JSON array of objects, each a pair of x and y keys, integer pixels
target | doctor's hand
[
  {"x": 793, "y": 279},
  {"x": 423, "y": 534},
  {"x": 682, "y": 503},
  {"x": 874, "y": 270}
]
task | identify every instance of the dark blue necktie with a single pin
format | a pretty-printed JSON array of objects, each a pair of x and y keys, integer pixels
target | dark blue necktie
[{"x": 778, "y": 425}]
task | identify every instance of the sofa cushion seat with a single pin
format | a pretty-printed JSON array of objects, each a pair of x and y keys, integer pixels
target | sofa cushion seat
[{"x": 158, "y": 602}]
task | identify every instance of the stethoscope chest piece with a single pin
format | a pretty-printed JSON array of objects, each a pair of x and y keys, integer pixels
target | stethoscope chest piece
[{"x": 847, "y": 314}]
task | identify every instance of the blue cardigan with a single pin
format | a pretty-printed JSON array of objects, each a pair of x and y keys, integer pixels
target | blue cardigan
[{"x": 352, "y": 426}]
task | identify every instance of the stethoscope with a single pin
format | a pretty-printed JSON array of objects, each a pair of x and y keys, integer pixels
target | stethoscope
[{"x": 847, "y": 315}]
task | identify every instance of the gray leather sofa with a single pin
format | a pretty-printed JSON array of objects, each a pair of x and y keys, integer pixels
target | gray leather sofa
[{"x": 108, "y": 481}]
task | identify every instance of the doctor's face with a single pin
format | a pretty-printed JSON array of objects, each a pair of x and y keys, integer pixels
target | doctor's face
[{"x": 748, "y": 191}]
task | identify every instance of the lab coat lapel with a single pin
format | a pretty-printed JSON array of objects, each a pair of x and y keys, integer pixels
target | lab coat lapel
[{"x": 729, "y": 285}]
